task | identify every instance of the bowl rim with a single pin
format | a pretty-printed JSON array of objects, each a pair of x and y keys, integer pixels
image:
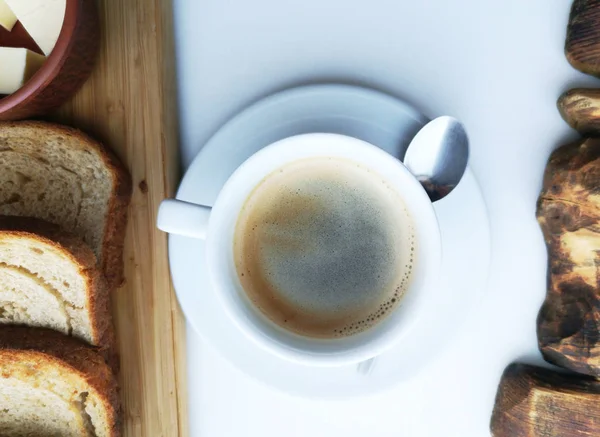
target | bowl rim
[{"x": 53, "y": 65}]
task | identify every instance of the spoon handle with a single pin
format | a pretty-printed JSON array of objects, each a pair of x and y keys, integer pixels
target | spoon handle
[{"x": 365, "y": 367}]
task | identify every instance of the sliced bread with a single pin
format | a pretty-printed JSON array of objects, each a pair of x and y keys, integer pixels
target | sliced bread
[
  {"x": 49, "y": 278},
  {"x": 61, "y": 175},
  {"x": 52, "y": 385}
]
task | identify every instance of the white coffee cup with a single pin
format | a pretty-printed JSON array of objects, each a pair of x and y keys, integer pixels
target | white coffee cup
[{"x": 217, "y": 226}]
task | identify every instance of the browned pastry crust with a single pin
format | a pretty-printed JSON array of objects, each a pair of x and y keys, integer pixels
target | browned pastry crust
[
  {"x": 580, "y": 107},
  {"x": 568, "y": 211},
  {"x": 582, "y": 46},
  {"x": 536, "y": 402}
]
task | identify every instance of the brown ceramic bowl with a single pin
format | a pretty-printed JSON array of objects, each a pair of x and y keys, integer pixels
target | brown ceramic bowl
[{"x": 65, "y": 70}]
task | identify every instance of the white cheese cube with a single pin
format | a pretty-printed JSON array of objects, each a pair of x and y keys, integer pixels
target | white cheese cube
[
  {"x": 7, "y": 17},
  {"x": 43, "y": 20},
  {"x": 18, "y": 66}
]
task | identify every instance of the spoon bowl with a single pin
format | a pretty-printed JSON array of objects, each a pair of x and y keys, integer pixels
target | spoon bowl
[{"x": 438, "y": 156}]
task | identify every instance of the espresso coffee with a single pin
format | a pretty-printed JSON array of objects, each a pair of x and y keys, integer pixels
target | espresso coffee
[{"x": 324, "y": 247}]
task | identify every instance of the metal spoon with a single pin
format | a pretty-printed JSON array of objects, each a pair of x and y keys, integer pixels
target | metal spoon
[{"x": 438, "y": 156}]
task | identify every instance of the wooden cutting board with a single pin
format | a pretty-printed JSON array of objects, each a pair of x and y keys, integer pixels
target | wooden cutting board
[{"x": 130, "y": 104}]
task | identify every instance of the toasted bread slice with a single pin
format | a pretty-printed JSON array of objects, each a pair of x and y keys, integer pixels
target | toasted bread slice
[
  {"x": 53, "y": 385},
  {"x": 49, "y": 278},
  {"x": 61, "y": 175}
]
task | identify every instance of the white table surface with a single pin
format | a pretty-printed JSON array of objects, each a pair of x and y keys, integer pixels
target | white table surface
[{"x": 496, "y": 65}]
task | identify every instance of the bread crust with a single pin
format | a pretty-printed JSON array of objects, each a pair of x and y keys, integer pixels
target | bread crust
[
  {"x": 79, "y": 253},
  {"x": 40, "y": 346},
  {"x": 111, "y": 260}
]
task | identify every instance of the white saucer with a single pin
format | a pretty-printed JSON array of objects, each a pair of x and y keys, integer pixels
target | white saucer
[{"x": 381, "y": 120}]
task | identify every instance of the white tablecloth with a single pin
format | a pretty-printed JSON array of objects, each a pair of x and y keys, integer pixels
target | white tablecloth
[{"x": 496, "y": 65}]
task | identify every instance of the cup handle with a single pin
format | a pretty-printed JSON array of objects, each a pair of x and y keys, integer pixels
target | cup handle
[{"x": 183, "y": 218}]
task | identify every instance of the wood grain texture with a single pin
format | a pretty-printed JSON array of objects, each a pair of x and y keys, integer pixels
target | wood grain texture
[
  {"x": 130, "y": 104},
  {"x": 580, "y": 107},
  {"x": 536, "y": 402},
  {"x": 582, "y": 47},
  {"x": 568, "y": 211}
]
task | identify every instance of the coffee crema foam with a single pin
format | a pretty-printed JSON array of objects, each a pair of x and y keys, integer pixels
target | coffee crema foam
[{"x": 324, "y": 247}]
